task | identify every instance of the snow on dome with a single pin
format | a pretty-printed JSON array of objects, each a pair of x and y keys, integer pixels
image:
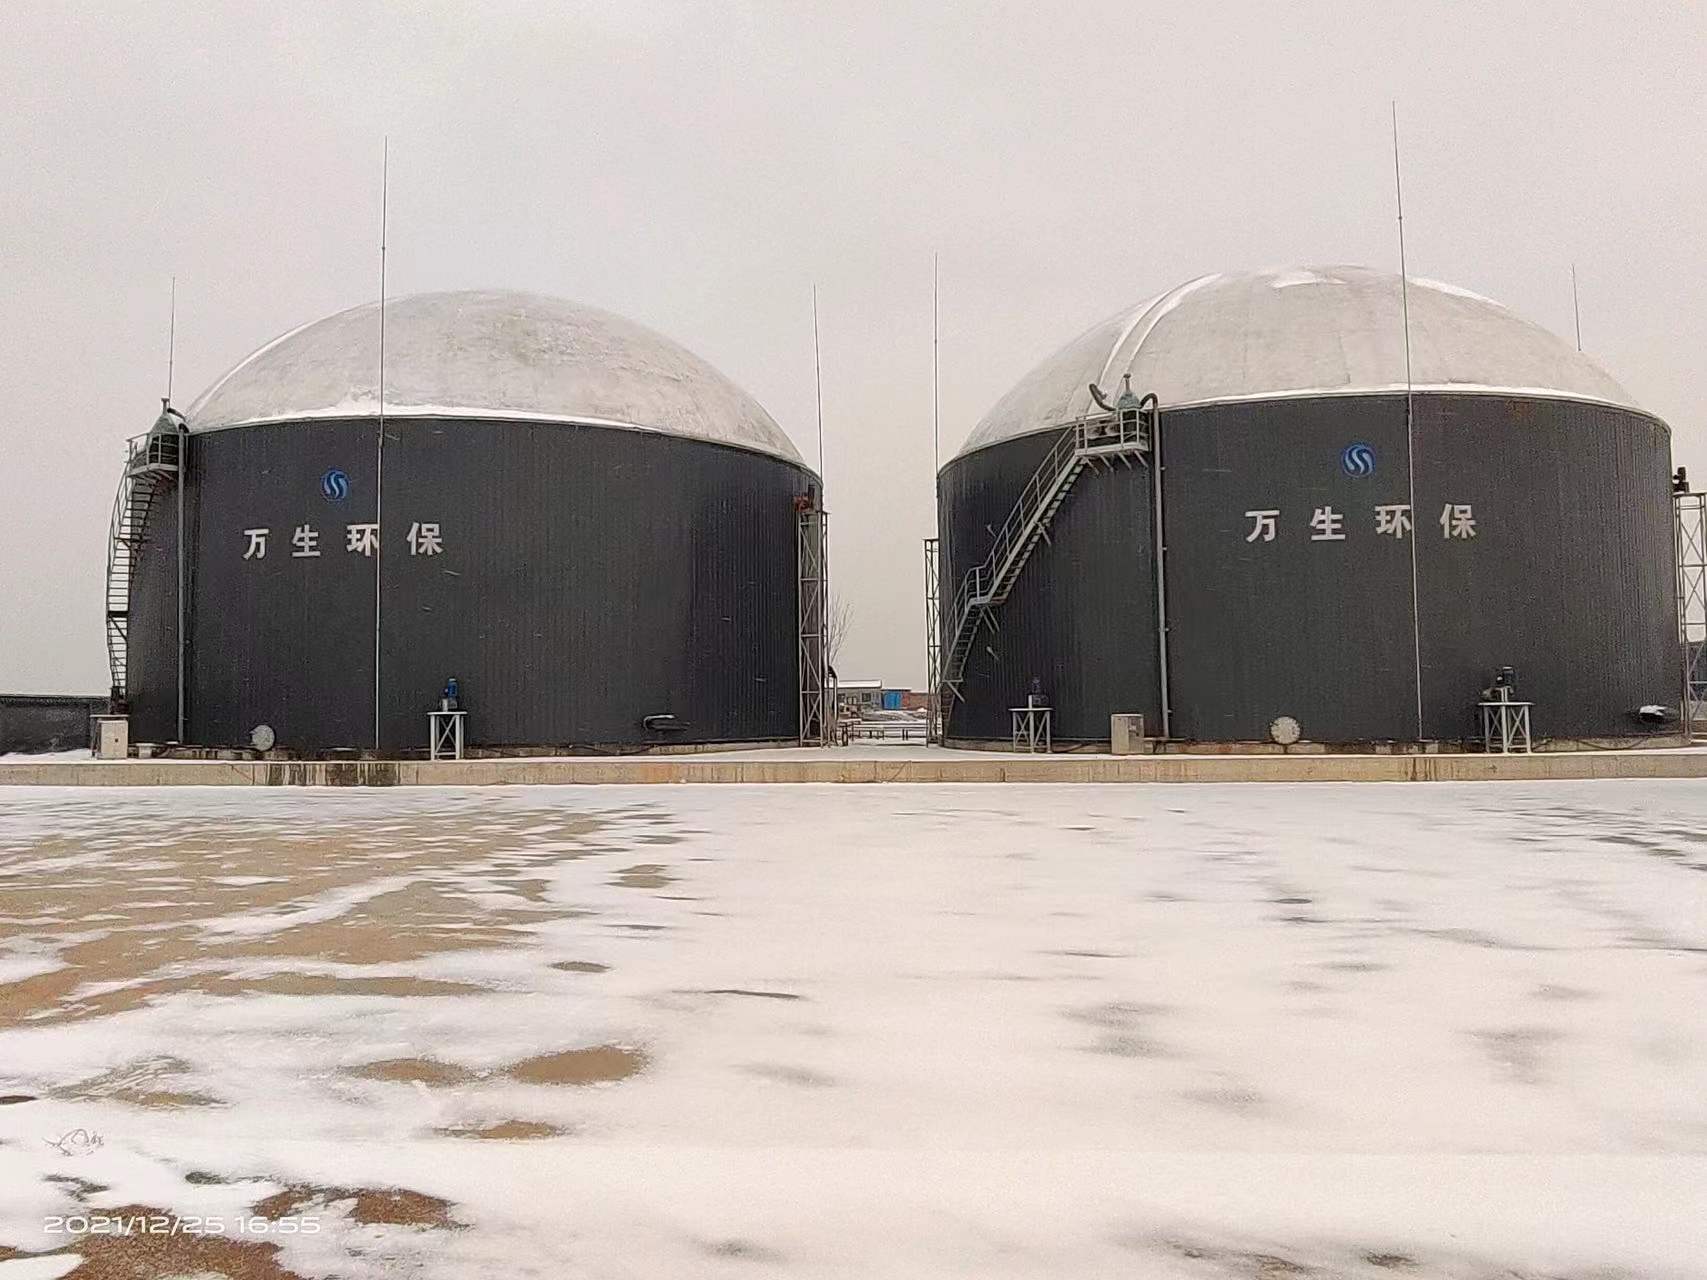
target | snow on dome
[
  {"x": 1302, "y": 331},
  {"x": 493, "y": 354}
]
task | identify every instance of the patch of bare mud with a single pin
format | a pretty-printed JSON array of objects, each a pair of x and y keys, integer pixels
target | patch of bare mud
[
  {"x": 506, "y": 1131},
  {"x": 643, "y": 875},
  {"x": 410, "y": 923},
  {"x": 415, "y": 1071},
  {"x": 147, "y": 1082},
  {"x": 201, "y": 1178},
  {"x": 530, "y": 890},
  {"x": 70, "y": 1007},
  {"x": 322, "y": 984},
  {"x": 149, "y": 1248},
  {"x": 602, "y": 1064},
  {"x": 126, "y": 906},
  {"x": 370, "y": 1206}
]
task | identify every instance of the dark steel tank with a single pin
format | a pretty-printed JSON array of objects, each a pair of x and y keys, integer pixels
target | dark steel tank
[
  {"x": 588, "y": 527},
  {"x": 1342, "y": 545}
]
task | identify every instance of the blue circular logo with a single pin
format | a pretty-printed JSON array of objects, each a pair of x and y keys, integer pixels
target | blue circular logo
[
  {"x": 1357, "y": 460},
  {"x": 334, "y": 485}
]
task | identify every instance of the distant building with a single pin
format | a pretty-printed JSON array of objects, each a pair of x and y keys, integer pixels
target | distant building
[
  {"x": 859, "y": 697},
  {"x": 856, "y": 697}
]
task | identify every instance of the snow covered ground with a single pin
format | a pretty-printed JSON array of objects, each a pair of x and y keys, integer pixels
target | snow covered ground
[{"x": 1245, "y": 1031}]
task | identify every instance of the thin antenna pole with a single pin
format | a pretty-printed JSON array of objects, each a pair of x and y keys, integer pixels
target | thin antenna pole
[
  {"x": 1404, "y": 278},
  {"x": 179, "y": 533},
  {"x": 936, "y": 398},
  {"x": 1410, "y": 424},
  {"x": 818, "y": 380},
  {"x": 1576, "y": 311},
  {"x": 379, "y": 444},
  {"x": 172, "y": 340}
]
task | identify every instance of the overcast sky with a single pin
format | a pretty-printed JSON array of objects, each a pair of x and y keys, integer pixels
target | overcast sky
[{"x": 698, "y": 167}]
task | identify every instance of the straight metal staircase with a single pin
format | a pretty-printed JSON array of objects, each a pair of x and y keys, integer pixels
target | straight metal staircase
[
  {"x": 151, "y": 467},
  {"x": 1121, "y": 434}
]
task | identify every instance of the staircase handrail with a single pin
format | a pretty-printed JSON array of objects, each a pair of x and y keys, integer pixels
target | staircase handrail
[
  {"x": 1088, "y": 436},
  {"x": 1129, "y": 427},
  {"x": 979, "y": 581},
  {"x": 1056, "y": 461},
  {"x": 151, "y": 459}
]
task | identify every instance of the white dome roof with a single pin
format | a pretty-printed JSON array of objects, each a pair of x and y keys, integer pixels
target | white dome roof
[
  {"x": 491, "y": 354},
  {"x": 1298, "y": 332}
]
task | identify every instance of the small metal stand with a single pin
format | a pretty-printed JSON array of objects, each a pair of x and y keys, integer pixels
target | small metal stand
[
  {"x": 1506, "y": 722},
  {"x": 1033, "y": 726},
  {"x": 444, "y": 734}
]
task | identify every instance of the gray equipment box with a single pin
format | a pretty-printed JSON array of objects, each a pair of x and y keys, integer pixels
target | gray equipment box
[
  {"x": 1126, "y": 734},
  {"x": 111, "y": 736}
]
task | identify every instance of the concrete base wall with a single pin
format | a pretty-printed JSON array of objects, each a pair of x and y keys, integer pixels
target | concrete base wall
[
  {"x": 997, "y": 768},
  {"x": 1645, "y": 742},
  {"x": 235, "y": 755}
]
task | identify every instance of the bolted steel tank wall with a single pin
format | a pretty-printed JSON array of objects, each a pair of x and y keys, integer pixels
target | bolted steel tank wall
[{"x": 574, "y": 579}]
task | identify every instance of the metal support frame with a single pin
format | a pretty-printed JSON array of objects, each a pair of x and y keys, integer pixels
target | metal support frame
[
  {"x": 183, "y": 540},
  {"x": 1691, "y": 542},
  {"x": 1160, "y": 547},
  {"x": 1033, "y": 727},
  {"x": 933, "y": 645},
  {"x": 445, "y": 734},
  {"x": 812, "y": 562},
  {"x": 1505, "y": 726}
]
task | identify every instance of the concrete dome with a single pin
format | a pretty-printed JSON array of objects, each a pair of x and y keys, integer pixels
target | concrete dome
[
  {"x": 489, "y": 354},
  {"x": 1321, "y": 331}
]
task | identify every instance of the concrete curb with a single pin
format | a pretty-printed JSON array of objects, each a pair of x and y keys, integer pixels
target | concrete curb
[{"x": 1564, "y": 766}]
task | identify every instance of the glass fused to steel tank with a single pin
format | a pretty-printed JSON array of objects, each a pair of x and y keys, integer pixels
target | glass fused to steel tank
[
  {"x": 587, "y": 527},
  {"x": 1361, "y": 519}
]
